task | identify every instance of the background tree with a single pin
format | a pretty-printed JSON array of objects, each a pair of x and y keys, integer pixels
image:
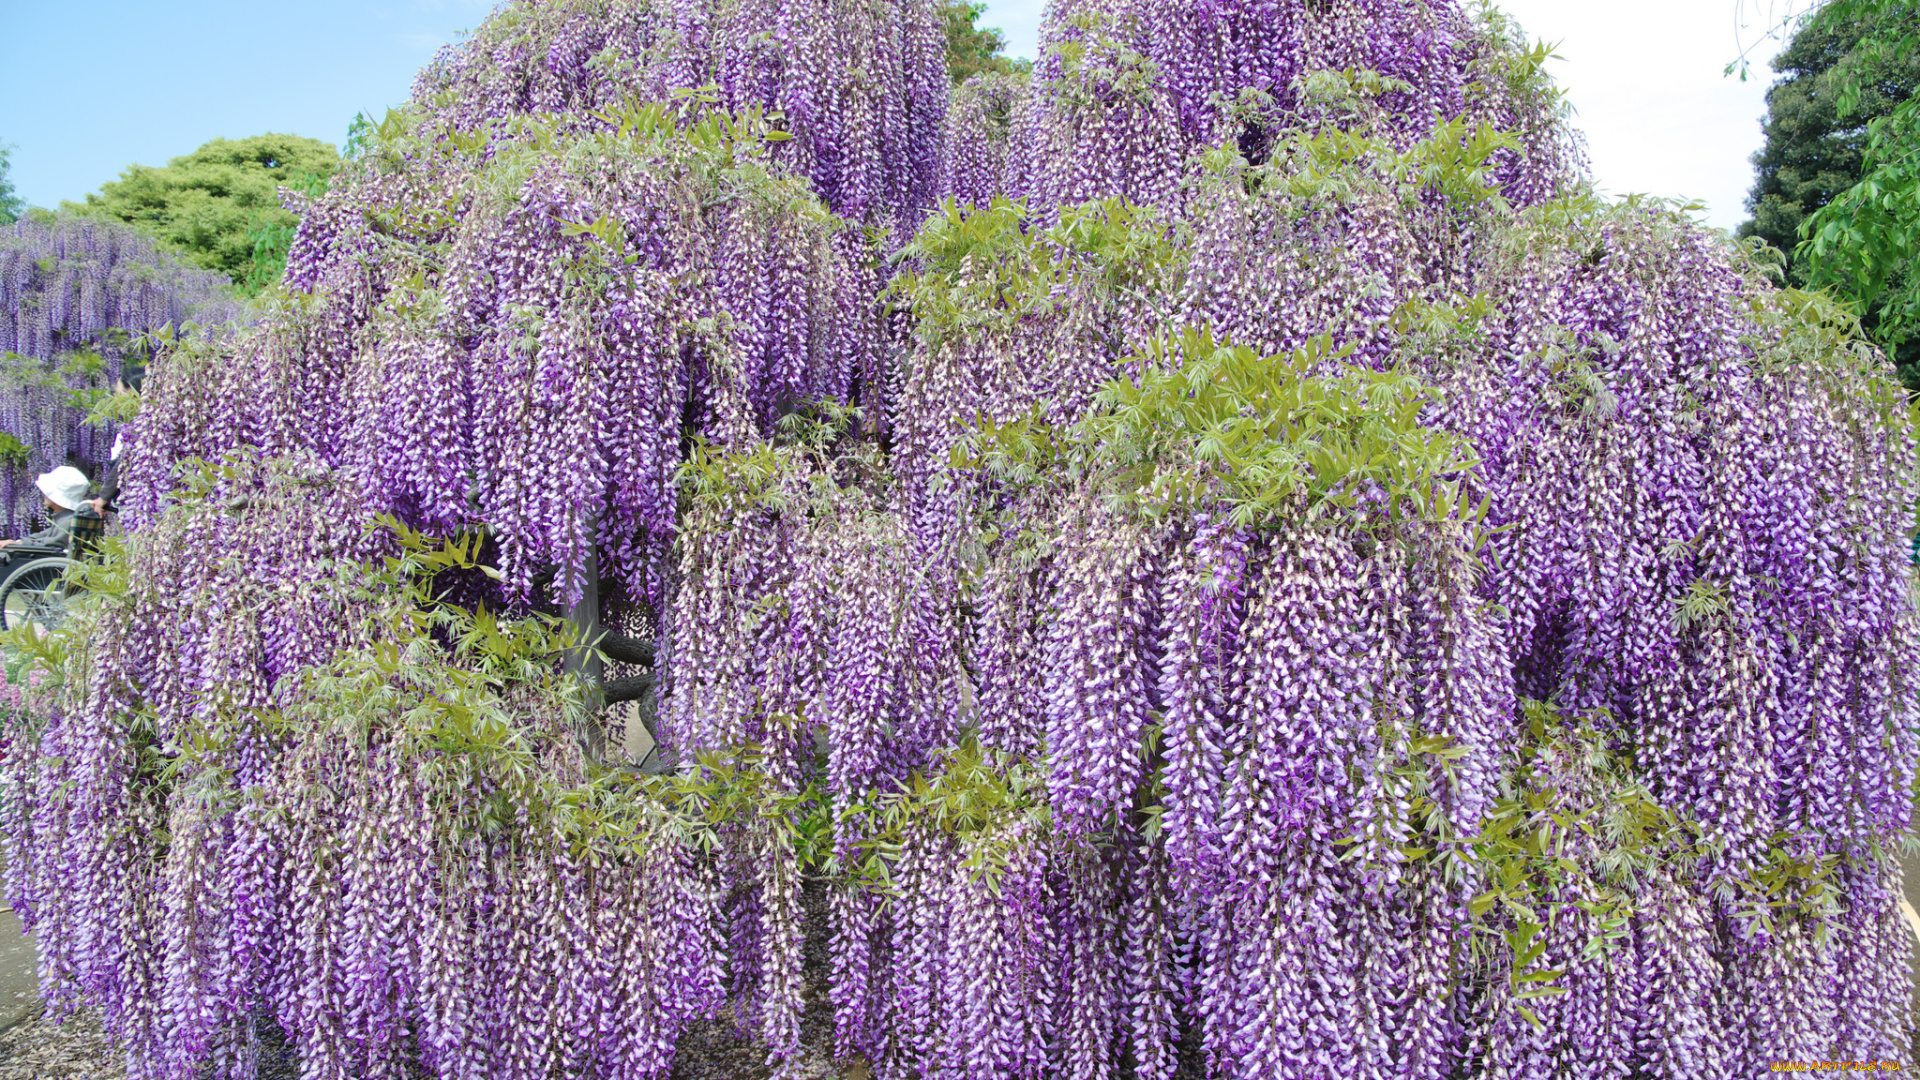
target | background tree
[
  {"x": 972, "y": 49},
  {"x": 11, "y": 204},
  {"x": 1839, "y": 77},
  {"x": 220, "y": 205},
  {"x": 1812, "y": 153}
]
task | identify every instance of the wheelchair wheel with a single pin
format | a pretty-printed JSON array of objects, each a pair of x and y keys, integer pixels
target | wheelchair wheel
[{"x": 36, "y": 594}]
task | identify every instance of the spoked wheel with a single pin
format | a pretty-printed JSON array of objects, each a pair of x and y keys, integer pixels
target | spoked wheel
[{"x": 36, "y": 595}]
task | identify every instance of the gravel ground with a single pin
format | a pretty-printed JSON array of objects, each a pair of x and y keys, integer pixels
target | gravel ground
[
  {"x": 39, "y": 1049},
  {"x": 715, "y": 1050}
]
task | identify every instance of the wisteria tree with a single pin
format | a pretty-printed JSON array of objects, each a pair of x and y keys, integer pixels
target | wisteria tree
[
  {"x": 1219, "y": 557},
  {"x": 76, "y": 299}
]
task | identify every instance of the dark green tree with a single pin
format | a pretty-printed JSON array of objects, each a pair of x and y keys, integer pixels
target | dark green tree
[
  {"x": 973, "y": 49},
  {"x": 220, "y": 205},
  {"x": 11, "y": 204},
  {"x": 1813, "y": 153},
  {"x": 1839, "y": 178}
]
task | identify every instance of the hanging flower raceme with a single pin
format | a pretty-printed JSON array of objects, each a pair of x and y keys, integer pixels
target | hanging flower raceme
[
  {"x": 984, "y": 155},
  {"x": 1125, "y": 93},
  {"x": 806, "y": 609},
  {"x": 78, "y": 298},
  {"x": 1305, "y": 588},
  {"x": 527, "y": 354},
  {"x": 862, "y": 87}
]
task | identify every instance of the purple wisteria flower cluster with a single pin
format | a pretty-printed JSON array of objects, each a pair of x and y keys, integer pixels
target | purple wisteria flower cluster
[
  {"x": 862, "y": 87},
  {"x": 293, "y": 791},
  {"x": 1223, "y": 558},
  {"x": 1125, "y": 91},
  {"x": 530, "y": 350},
  {"x": 75, "y": 295}
]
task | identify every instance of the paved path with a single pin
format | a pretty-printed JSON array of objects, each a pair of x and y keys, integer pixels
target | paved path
[
  {"x": 18, "y": 984},
  {"x": 19, "y": 987}
]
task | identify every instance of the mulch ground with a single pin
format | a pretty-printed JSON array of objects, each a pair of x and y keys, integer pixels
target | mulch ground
[{"x": 39, "y": 1049}]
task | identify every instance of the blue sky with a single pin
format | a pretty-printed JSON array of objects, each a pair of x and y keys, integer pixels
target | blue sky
[{"x": 89, "y": 89}]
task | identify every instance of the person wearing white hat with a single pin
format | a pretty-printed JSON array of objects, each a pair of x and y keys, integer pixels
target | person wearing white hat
[{"x": 65, "y": 490}]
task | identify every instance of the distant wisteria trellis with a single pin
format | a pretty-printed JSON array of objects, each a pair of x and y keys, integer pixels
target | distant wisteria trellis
[
  {"x": 1220, "y": 558},
  {"x": 73, "y": 287}
]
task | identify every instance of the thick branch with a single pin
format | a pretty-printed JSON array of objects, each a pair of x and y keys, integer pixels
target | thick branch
[
  {"x": 632, "y": 688},
  {"x": 626, "y": 650}
]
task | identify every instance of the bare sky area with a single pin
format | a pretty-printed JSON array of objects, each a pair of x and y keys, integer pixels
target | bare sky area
[{"x": 88, "y": 89}]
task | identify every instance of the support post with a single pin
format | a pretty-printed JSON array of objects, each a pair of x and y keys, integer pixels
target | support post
[
  {"x": 631, "y": 695},
  {"x": 583, "y": 659}
]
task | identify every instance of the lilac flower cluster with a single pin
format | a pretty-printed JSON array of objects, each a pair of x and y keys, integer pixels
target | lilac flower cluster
[
  {"x": 862, "y": 88},
  {"x": 529, "y": 352},
  {"x": 1490, "y": 660},
  {"x": 275, "y": 801},
  {"x": 73, "y": 286},
  {"x": 1125, "y": 92}
]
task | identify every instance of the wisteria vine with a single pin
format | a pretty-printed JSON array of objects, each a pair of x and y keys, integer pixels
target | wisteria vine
[
  {"x": 77, "y": 296},
  {"x": 1220, "y": 558}
]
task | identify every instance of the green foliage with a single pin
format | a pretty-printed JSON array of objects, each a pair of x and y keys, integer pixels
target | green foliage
[
  {"x": 1330, "y": 163},
  {"x": 1099, "y": 68},
  {"x": 726, "y": 481},
  {"x": 1521, "y": 66},
  {"x": 974, "y": 789},
  {"x": 271, "y": 242},
  {"x": 1575, "y": 829},
  {"x": 1813, "y": 332},
  {"x": 359, "y": 131},
  {"x": 978, "y": 270},
  {"x": 1862, "y": 242},
  {"x": 816, "y": 464},
  {"x": 1812, "y": 153},
  {"x": 972, "y": 49},
  {"x": 726, "y": 152},
  {"x": 488, "y": 702},
  {"x": 1576, "y": 835},
  {"x": 692, "y": 116},
  {"x": 118, "y": 406},
  {"x": 80, "y": 374},
  {"x": 1211, "y": 423},
  {"x": 11, "y": 204},
  {"x": 976, "y": 795},
  {"x": 220, "y": 205},
  {"x": 19, "y": 370},
  {"x": 14, "y": 454}
]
